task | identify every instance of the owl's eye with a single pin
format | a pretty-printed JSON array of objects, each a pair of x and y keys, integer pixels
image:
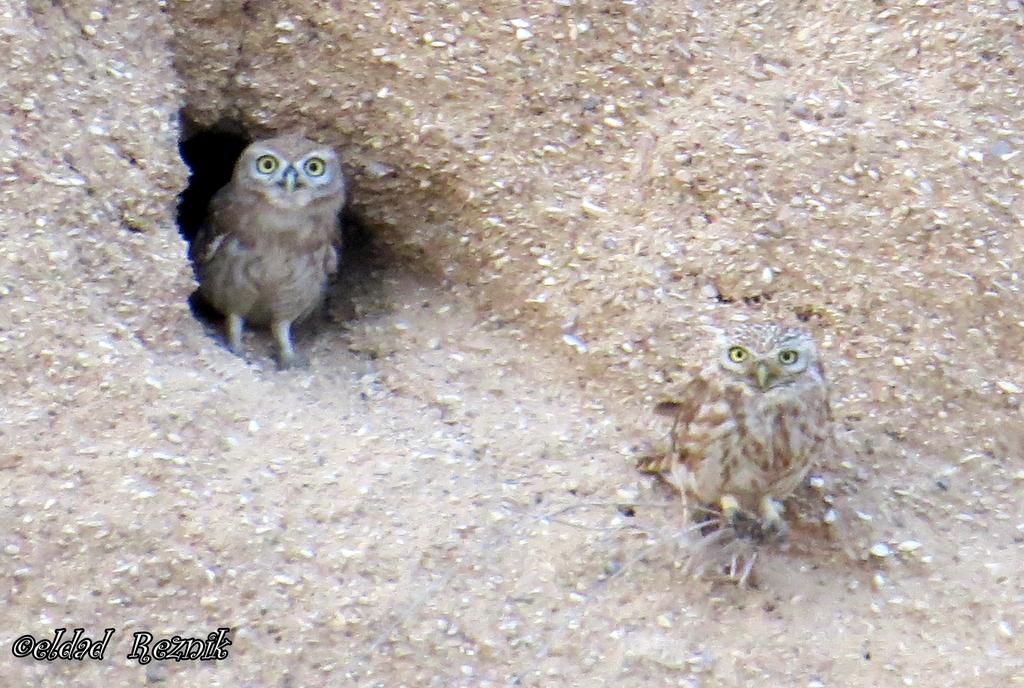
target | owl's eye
[
  {"x": 788, "y": 357},
  {"x": 738, "y": 354},
  {"x": 266, "y": 164},
  {"x": 315, "y": 167}
]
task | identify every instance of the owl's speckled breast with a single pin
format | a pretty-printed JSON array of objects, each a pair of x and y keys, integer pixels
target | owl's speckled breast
[
  {"x": 267, "y": 285},
  {"x": 764, "y": 448}
]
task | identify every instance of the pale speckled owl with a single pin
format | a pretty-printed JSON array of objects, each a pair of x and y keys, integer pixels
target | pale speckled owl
[
  {"x": 267, "y": 247},
  {"x": 749, "y": 426}
]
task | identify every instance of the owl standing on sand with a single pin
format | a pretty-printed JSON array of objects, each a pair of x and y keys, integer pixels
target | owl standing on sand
[
  {"x": 749, "y": 427},
  {"x": 267, "y": 246}
]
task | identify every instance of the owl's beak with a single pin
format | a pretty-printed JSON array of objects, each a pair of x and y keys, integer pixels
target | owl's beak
[
  {"x": 290, "y": 178},
  {"x": 761, "y": 374}
]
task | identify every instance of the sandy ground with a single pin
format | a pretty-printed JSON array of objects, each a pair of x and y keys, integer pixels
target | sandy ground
[
  {"x": 434, "y": 506},
  {"x": 559, "y": 198}
]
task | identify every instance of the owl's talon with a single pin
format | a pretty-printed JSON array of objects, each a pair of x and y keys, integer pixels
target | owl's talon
[
  {"x": 293, "y": 362},
  {"x": 745, "y": 526},
  {"x": 736, "y": 518},
  {"x": 730, "y": 507},
  {"x": 731, "y": 511},
  {"x": 287, "y": 357}
]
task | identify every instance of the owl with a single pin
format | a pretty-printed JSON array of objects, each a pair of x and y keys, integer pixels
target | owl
[
  {"x": 748, "y": 427},
  {"x": 265, "y": 251}
]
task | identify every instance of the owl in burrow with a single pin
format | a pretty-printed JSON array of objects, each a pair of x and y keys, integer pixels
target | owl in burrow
[
  {"x": 748, "y": 427},
  {"x": 268, "y": 244}
]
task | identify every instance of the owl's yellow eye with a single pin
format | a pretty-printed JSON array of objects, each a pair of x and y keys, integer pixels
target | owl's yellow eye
[
  {"x": 788, "y": 357},
  {"x": 315, "y": 167},
  {"x": 266, "y": 164},
  {"x": 738, "y": 354}
]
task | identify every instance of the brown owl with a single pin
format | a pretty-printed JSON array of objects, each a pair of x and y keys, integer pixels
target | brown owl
[
  {"x": 267, "y": 247},
  {"x": 749, "y": 426}
]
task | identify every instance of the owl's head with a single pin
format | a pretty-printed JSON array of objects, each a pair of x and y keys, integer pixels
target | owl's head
[
  {"x": 768, "y": 356},
  {"x": 291, "y": 172}
]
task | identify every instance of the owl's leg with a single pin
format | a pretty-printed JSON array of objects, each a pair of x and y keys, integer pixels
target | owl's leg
[
  {"x": 772, "y": 523},
  {"x": 286, "y": 356},
  {"x": 731, "y": 511},
  {"x": 735, "y": 516},
  {"x": 235, "y": 325}
]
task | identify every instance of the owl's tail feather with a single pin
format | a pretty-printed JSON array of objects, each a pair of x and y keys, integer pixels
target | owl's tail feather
[
  {"x": 668, "y": 409},
  {"x": 660, "y": 463},
  {"x": 654, "y": 463}
]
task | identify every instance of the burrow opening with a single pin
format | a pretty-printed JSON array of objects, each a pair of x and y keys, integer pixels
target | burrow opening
[{"x": 210, "y": 154}]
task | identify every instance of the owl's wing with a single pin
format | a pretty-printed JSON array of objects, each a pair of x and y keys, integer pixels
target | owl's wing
[
  {"x": 331, "y": 259},
  {"x": 213, "y": 233},
  {"x": 683, "y": 411}
]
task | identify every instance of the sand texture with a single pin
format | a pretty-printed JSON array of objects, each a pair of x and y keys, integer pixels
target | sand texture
[{"x": 554, "y": 199}]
